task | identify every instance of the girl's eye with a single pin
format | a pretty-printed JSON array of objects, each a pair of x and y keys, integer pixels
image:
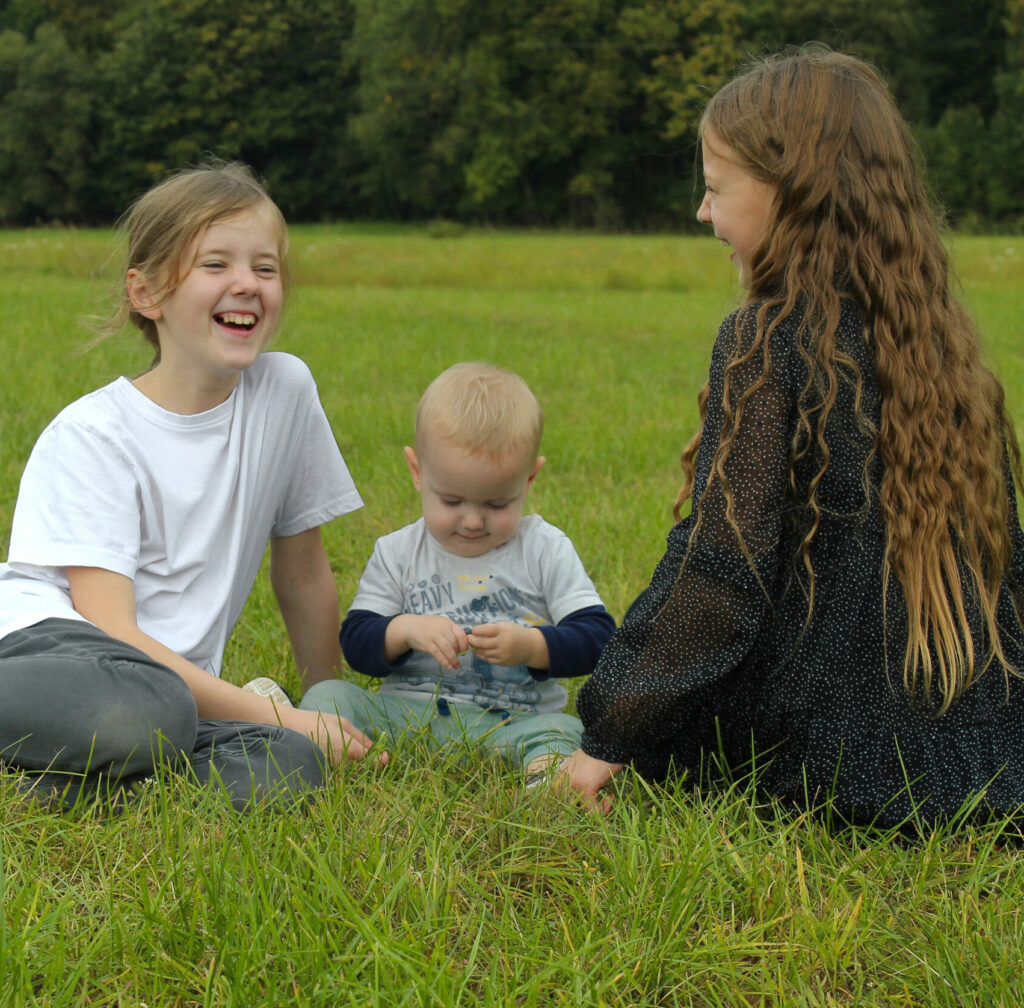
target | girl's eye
[
  {"x": 213, "y": 264},
  {"x": 498, "y": 505},
  {"x": 267, "y": 270},
  {"x": 450, "y": 501}
]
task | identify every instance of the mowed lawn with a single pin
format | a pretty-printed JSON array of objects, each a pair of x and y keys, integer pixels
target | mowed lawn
[{"x": 438, "y": 881}]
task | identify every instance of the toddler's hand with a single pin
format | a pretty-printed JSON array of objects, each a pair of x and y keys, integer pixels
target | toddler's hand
[
  {"x": 509, "y": 644},
  {"x": 436, "y": 636}
]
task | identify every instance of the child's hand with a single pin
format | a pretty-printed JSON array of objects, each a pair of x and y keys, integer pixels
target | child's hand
[
  {"x": 509, "y": 644},
  {"x": 338, "y": 738},
  {"x": 436, "y": 636}
]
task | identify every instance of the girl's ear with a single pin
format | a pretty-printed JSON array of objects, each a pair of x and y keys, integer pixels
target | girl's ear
[{"x": 139, "y": 295}]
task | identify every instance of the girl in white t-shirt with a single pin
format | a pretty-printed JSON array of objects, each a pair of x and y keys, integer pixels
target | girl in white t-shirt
[{"x": 145, "y": 510}]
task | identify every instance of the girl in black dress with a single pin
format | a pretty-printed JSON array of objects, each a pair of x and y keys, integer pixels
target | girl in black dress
[{"x": 841, "y": 608}]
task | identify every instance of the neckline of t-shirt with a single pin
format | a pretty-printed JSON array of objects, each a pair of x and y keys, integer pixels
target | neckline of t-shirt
[
  {"x": 156, "y": 413},
  {"x": 483, "y": 557}
]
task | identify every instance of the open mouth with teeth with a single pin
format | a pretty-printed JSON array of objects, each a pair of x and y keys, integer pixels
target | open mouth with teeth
[{"x": 238, "y": 321}]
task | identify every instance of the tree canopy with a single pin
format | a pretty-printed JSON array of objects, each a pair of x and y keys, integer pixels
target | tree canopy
[{"x": 551, "y": 112}]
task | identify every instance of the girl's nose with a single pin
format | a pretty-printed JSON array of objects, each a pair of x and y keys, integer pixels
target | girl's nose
[
  {"x": 703, "y": 211},
  {"x": 244, "y": 281}
]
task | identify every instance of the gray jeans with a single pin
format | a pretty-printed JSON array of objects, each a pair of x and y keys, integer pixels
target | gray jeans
[{"x": 82, "y": 711}]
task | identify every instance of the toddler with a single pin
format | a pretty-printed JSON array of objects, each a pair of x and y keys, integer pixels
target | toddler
[{"x": 472, "y": 615}]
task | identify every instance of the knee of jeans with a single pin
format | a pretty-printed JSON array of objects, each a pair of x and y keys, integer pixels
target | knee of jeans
[
  {"x": 296, "y": 759},
  {"x": 334, "y": 696},
  {"x": 162, "y": 720},
  {"x": 556, "y": 723}
]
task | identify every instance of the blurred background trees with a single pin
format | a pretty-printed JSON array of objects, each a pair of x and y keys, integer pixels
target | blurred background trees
[{"x": 548, "y": 112}]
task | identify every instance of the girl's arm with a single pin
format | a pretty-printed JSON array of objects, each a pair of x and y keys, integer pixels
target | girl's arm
[
  {"x": 702, "y": 613},
  {"x": 107, "y": 599},
  {"x": 304, "y": 585}
]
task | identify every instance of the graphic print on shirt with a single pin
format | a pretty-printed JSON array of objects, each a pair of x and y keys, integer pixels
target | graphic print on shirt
[{"x": 470, "y": 601}]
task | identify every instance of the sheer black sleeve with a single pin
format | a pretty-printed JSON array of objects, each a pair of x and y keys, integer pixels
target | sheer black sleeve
[{"x": 711, "y": 591}]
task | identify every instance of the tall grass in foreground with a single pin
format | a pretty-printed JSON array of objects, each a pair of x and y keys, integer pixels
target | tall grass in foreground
[{"x": 438, "y": 881}]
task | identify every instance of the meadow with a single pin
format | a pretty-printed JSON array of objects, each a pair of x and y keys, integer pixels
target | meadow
[{"x": 438, "y": 881}]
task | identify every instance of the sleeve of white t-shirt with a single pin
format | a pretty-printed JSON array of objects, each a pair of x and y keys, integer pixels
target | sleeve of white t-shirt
[
  {"x": 564, "y": 581},
  {"x": 319, "y": 486},
  {"x": 381, "y": 587},
  {"x": 78, "y": 504}
]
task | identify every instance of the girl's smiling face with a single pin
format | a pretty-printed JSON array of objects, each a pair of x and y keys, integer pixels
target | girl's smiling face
[
  {"x": 737, "y": 205},
  {"x": 223, "y": 312}
]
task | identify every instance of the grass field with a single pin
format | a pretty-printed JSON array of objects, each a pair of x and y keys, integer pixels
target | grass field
[{"x": 437, "y": 882}]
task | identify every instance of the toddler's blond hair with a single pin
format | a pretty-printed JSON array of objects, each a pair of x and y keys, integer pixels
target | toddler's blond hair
[{"x": 482, "y": 409}]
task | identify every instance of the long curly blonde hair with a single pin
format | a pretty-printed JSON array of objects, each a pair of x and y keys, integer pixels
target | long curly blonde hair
[{"x": 851, "y": 218}]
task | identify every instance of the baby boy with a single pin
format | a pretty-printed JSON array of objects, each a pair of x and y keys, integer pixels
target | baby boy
[{"x": 472, "y": 615}]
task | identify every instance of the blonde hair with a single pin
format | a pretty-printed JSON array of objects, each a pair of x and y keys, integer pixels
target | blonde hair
[
  {"x": 482, "y": 409},
  {"x": 162, "y": 224},
  {"x": 851, "y": 219}
]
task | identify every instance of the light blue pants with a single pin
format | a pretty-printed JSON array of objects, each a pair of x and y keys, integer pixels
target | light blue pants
[{"x": 515, "y": 735}]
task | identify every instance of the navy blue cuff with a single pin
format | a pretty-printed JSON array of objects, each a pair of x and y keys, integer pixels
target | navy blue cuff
[{"x": 575, "y": 644}]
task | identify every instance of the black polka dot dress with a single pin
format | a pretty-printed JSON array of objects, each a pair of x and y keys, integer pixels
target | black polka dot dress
[{"x": 721, "y": 657}]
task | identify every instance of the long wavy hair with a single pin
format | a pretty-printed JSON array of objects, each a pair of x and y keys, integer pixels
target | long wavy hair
[{"x": 851, "y": 218}]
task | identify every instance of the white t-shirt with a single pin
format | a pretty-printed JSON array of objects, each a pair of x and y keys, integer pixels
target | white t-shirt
[
  {"x": 182, "y": 505},
  {"x": 535, "y": 578}
]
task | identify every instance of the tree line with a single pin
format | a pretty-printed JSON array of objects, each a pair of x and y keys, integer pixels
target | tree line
[{"x": 533, "y": 112}]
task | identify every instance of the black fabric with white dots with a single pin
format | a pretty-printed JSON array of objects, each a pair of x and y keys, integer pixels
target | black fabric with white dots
[{"x": 720, "y": 656}]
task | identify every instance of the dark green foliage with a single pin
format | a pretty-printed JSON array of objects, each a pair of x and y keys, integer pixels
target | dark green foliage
[
  {"x": 976, "y": 148},
  {"x": 579, "y": 112},
  {"x": 534, "y": 111},
  {"x": 896, "y": 36},
  {"x": 44, "y": 127},
  {"x": 260, "y": 81}
]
